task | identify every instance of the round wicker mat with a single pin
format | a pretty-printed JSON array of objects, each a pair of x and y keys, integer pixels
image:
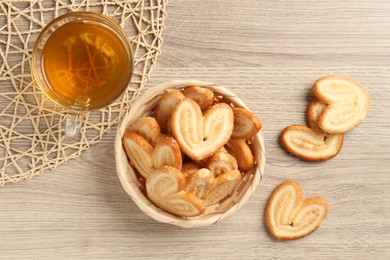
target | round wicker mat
[{"x": 31, "y": 126}]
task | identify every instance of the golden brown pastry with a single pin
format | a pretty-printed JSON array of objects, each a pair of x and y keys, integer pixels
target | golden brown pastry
[
  {"x": 316, "y": 107},
  {"x": 241, "y": 151},
  {"x": 347, "y": 103},
  {"x": 139, "y": 151},
  {"x": 223, "y": 185},
  {"x": 165, "y": 188},
  {"x": 199, "y": 182},
  {"x": 145, "y": 158},
  {"x": 221, "y": 162},
  {"x": 148, "y": 128},
  {"x": 303, "y": 142},
  {"x": 167, "y": 152},
  {"x": 246, "y": 124},
  {"x": 200, "y": 136},
  {"x": 165, "y": 107},
  {"x": 288, "y": 217},
  {"x": 203, "y": 96}
]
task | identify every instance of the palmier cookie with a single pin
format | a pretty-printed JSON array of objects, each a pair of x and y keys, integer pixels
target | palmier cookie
[
  {"x": 203, "y": 96},
  {"x": 165, "y": 107},
  {"x": 347, "y": 103},
  {"x": 223, "y": 185},
  {"x": 200, "y": 182},
  {"x": 145, "y": 159},
  {"x": 167, "y": 152},
  {"x": 303, "y": 142},
  {"x": 165, "y": 189},
  {"x": 315, "y": 109},
  {"x": 246, "y": 124},
  {"x": 139, "y": 151},
  {"x": 200, "y": 136},
  {"x": 288, "y": 217},
  {"x": 241, "y": 151},
  {"x": 148, "y": 128},
  {"x": 221, "y": 162}
]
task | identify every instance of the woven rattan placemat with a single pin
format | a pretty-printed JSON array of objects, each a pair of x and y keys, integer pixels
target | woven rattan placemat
[{"x": 31, "y": 126}]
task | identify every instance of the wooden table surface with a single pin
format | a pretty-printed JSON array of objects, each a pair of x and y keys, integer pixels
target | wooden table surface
[{"x": 269, "y": 53}]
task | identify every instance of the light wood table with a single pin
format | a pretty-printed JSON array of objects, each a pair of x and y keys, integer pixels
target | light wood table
[{"x": 269, "y": 53}]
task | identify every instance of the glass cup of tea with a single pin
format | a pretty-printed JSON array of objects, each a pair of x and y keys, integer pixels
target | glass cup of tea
[{"x": 82, "y": 61}]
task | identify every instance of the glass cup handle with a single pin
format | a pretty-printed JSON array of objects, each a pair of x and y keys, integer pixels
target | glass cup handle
[{"x": 73, "y": 123}]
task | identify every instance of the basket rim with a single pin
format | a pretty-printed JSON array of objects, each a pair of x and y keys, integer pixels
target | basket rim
[{"x": 133, "y": 190}]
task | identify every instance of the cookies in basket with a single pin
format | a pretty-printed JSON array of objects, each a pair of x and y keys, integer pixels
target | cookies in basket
[
  {"x": 180, "y": 154},
  {"x": 246, "y": 124},
  {"x": 340, "y": 104},
  {"x": 204, "y": 97},
  {"x": 165, "y": 187},
  {"x": 145, "y": 158},
  {"x": 148, "y": 128},
  {"x": 165, "y": 107},
  {"x": 201, "y": 135},
  {"x": 200, "y": 182},
  {"x": 241, "y": 151},
  {"x": 222, "y": 162}
]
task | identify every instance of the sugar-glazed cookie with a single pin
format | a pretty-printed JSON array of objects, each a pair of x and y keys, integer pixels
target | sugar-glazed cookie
[
  {"x": 223, "y": 185},
  {"x": 347, "y": 103},
  {"x": 203, "y": 96},
  {"x": 303, "y": 142},
  {"x": 165, "y": 107},
  {"x": 148, "y": 128},
  {"x": 241, "y": 151},
  {"x": 198, "y": 135},
  {"x": 246, "y": 124},
  {"x": 200, "y": 182},
  {"x": 288, "y": 217},
  {"x": 165, "y": 188}
]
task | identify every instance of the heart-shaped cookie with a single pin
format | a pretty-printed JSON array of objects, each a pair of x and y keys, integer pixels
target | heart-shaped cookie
[
  {"x": 200, "y": 136},
  {"x": 148, "y": 128},
  {"x": 221, "y": 162},
  {"x": 288, "y": 217},
  {"x": 165, "y": 181},
  {"x": 223, "y": 185},
  {"x": 241, "y": 151},
  {"x": 183, "y": 204},
  {"x": 347, "y": 103},
  {"x": 139, "y": 151},
  {"x": 164, "y": 188},
  {"x": 145, "y": 158},
  {"x": 203, "y": 96},
  {"x": 246, "y": 124},
  {"x": 167, "y": 152},
  {"x": 303, "y": 142},
  {"x": 165, "y": 107}
]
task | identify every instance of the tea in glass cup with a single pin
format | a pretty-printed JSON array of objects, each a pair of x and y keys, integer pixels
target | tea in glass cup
[{"x": 82, "y": 61}]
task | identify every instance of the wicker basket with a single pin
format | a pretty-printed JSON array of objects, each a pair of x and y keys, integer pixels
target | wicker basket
[{"x": 134, "y": 186}]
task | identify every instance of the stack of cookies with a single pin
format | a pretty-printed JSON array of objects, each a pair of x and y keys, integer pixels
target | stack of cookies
[
  {"x": 192, "y": 150},
  {"x": 340, "y": 104}
]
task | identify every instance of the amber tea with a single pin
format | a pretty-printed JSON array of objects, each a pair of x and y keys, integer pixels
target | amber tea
[
  {"x": 85, "y": 64},
  {"x": 82, "y": 61}
]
